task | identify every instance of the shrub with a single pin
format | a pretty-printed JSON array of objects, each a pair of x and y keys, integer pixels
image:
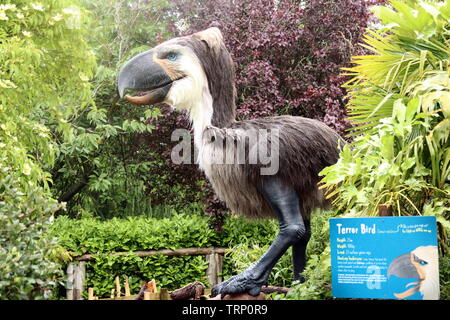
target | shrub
[
  {"x": 27, "y": 270},
  {"x": 400, "y": 97},
  {"x": 91, "y": 235}
]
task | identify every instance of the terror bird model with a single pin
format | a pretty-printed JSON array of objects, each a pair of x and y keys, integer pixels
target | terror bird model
[{"x": 196, "y": 73}]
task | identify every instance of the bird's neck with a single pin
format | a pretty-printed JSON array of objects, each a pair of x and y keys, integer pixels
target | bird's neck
[
  {"x": 201, "y": 115},
  {"x": 209, "y": 112}
]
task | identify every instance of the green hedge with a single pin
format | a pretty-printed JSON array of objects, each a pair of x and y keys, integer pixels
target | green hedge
[{"x": 91, "y": 235}]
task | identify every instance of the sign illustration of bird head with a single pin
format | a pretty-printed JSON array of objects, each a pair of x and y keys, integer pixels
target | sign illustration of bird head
[{"x": 420, "y": 264}]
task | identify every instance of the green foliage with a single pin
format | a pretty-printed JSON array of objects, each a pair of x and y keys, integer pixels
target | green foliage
[
  {"x": 400, "y": 103},
  {"x": 239, "y": 230},
  {"x": 102, "y": 166},
  {"x": 399, "y": 100},
  {"x": 390, "y": 166},
  {"x": 169, "y": 272},
  {"x": 444, "y": 277},
  {"x": 410, "y": 51},
  {"x": 46, "y": 66},
  {"x": 44, "y": 81},
  {"x": 92, "y": 235},
  {"x": 26, "y": 267}
]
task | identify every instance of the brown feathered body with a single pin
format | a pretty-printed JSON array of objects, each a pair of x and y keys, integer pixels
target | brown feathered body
[{"x": 304, "y": 147}]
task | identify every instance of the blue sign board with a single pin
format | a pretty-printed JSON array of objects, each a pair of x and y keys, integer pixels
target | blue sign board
[{"x": 384, "y": 258}]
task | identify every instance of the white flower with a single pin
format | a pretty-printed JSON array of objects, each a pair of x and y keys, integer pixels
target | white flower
[
  {"x": 37, "y": 6},
  {"x": 26, "y": 33},
  {"x": 3, "y": 16},
  {"x": 58, "y": 17},
  {"x": 72, "y": 10},
  {"x": 20, "y": 16},
  {"x": 26, "y": 169},
  {"x": 7, "y": 7}
]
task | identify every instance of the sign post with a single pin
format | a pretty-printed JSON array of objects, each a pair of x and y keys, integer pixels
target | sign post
[{"x": 384, "y": 258}]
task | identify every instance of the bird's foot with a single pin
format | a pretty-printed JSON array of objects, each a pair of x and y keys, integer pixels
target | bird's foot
[{"x": 244, "y": 282}]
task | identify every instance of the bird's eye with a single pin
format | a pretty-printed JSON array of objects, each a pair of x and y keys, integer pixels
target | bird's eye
[
  {"x": 172, "y": 56},
  {"x": 423, "y": 263}
]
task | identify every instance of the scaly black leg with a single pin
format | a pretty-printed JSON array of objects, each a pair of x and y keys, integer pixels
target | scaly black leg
[
  {"x": 286, "y": 204},
  {"x": 299, "y": 255}
]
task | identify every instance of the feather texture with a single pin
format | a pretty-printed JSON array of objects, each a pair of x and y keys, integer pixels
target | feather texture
[{"x": 304, "y": 147}]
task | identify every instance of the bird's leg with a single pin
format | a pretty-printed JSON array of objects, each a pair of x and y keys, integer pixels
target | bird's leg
[
  {"x": 286, "y": 203},
  {"x": 299, "y": 255}
]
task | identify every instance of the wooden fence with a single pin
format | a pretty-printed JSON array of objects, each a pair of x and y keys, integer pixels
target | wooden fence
[{"x": 76, "y": 271}]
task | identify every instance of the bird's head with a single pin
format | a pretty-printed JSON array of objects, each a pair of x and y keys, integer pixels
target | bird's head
[
  {"x": 421, "y": 264},
  {"x": 193, "y": 73}
]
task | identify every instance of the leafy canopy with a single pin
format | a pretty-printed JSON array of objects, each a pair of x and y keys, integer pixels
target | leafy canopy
[{"x": 104, "y": 168}]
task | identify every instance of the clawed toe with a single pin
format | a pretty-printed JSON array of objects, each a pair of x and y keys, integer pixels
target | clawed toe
[{"x": 241, "y": 283}]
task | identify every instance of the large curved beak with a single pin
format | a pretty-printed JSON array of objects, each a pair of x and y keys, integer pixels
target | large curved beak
[
  {"x": 406, "y": 266},
  {"x": 141, "y": 73}
]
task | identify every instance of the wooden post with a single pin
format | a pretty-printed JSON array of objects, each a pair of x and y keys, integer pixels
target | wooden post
[
  {"x": 69, "y": 283},
  {"x": 155, "y": 296},
  {"x": 214, "y": 268},
  {"x": 78, "y": 277},
  {"x": 164, "y": 294},
  {"x": 385, "y": 210},
  {"x": 91, "y": 294},
  {"x": 127, "y": 287},
  {"x": 151, "y": 286},
  {"x": 118, "y": 286}
]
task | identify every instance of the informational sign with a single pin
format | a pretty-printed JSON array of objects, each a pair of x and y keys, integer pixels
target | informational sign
[{"x": 384, "y": 258}]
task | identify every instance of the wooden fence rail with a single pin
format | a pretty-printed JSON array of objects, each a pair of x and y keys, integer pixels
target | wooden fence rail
[
  {"x": 76, "y": 273},
  {"x": 167, "y": 252}
]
